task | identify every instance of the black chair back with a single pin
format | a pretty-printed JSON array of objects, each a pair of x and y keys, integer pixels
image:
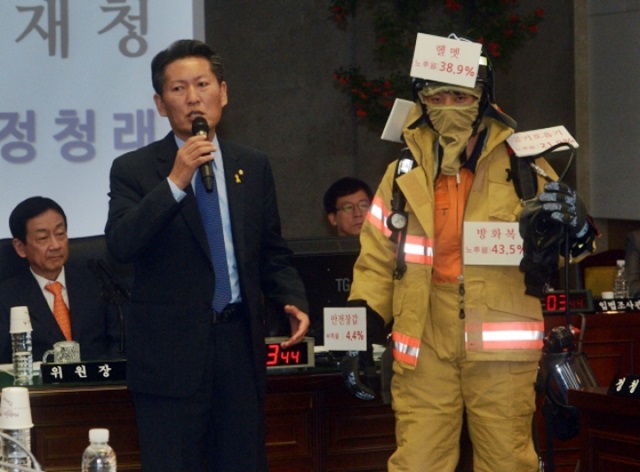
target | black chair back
[
  {"x": 82, "y": 251},
  {"x": 10, "y": 263}
]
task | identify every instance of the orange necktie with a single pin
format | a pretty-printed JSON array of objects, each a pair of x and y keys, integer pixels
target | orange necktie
[{"x": 60, "y": 310}]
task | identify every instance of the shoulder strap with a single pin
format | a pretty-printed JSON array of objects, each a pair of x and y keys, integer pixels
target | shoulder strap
[
  {"x": 404, "y": 165},
  {"x": 398, "y": 202}
]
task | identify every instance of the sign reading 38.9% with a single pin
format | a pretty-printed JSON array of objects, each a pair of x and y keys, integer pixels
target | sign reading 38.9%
[{"x": 446, "y": 60}]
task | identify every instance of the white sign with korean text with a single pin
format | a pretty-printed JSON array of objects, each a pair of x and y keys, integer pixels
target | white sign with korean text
[
  {"x": 529, "y": 143},
  {"x": 492, "y": 243},
  {"x": 450, "y": 61},
  {"x": 345, "y": 329},
  {"x": 77, "y": 94}
]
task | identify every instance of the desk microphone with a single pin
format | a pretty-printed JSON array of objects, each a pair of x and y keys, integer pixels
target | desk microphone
[
  {"x": 200, "y": 127},
  {"x": 113, "y": 292}
]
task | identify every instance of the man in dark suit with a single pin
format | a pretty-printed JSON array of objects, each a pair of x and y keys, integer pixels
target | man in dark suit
[
  {"x": 39, "y": 229},
  {"x": 197, "y": 372}
]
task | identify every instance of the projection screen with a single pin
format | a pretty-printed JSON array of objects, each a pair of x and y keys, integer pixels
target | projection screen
[{"x": 77, "y": 93}]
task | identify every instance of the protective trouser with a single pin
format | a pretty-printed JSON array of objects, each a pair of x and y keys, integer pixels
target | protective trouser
[{"x": 428, "y": 402}]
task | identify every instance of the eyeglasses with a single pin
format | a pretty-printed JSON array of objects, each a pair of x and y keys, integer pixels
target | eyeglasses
[{"x": 349, "y": 207}]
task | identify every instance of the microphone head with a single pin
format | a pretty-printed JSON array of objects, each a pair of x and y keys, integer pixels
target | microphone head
[{"x": 199, "y": 126}]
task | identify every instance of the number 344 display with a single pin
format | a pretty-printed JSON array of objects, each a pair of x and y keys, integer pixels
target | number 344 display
[{"x": 298, "y": 356}]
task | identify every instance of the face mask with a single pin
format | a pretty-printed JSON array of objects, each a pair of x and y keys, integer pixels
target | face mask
[{"x": 454, "y": 124}]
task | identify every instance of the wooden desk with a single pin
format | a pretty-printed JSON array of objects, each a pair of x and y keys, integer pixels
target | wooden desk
[
  {"x": 612, "y": 345},
  {"x": 313, "y": 424},
  {"x": 62, "y": 417},
  {"x": 609, "y": 431}
]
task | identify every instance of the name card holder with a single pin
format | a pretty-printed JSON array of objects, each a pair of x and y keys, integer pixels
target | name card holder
[
  {"x": 625, "y": 386},
  {"x": 617, "y": 305},
  {"x": 84, "y": 372}
]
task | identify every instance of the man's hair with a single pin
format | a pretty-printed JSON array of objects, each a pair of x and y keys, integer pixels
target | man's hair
[
  {"x": 179, "y": 50},
  {"x": 341, "y": 188},
  {"x": 30, "y": 208}
]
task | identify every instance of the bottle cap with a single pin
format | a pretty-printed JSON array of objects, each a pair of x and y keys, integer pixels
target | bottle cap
[
  {"x": 15, "y": 409},
  {"x": 99, "y": 435},
  {"x": 607, "y": 295},
  {"x": 20, "y": 321}
]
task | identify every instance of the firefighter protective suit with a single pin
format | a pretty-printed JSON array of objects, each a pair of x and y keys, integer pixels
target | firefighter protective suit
[{"x": 465, "y": 338}]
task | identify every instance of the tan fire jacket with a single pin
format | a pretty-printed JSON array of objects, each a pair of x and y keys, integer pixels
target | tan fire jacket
[{"x": 501, "y": 322}]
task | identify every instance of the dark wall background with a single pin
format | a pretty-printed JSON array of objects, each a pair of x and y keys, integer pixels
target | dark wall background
[{"x": 280, "y": 56}]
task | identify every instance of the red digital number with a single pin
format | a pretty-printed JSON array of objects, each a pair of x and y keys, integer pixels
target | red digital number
[
  {"x": 578, "y": 303},
  {"x": 295, "y": 357},
  {"x": 562, "y": 302},
  {"x": 276, "y": 356},
  {"x": 556, "y": 302},
  {"x": 273, "y": 351},
  {"x": 284, "y": 356}
]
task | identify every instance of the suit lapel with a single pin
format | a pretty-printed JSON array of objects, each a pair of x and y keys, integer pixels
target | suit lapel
[
  {"x": 192, "y": 217},
  {"x": 166, "y": 157},
  {"x": 189, "y": 207},
  {"x": 233, "y": 176},
  {"x": 81, "y": 293}
]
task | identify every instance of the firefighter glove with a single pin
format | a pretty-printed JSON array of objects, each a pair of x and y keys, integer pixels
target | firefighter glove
[{"x": 564, "y": 206}]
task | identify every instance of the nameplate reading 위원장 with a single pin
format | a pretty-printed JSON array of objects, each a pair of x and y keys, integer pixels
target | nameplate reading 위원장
[
  {"x": 492, "y": 243},
  {"x": 84, "y": 372}
]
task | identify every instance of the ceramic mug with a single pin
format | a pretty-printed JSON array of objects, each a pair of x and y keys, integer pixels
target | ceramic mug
[{"x": 63, "y": 352}]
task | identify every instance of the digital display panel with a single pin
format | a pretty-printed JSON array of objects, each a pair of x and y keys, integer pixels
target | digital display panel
[
  {"x": 580, "y": 301},
  {"x": 297, "y": 356}
]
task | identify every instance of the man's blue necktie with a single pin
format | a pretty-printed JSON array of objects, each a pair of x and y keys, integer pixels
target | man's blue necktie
[{"x": 210, "y": 212}]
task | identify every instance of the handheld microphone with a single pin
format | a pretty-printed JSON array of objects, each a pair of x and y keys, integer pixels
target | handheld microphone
[{"x": 200, "y": 127}]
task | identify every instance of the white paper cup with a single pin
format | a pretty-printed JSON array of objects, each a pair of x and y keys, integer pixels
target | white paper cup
[
  {"x": 20, "y": 320},
  {"x": 15, "y": 409},
  {"x": 607, "y": 295}
]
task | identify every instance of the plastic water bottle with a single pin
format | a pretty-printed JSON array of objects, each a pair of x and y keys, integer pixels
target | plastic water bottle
[
  {"x": 22, "y": 358},
  {"x": 14, "y": 454},
  {"x": 620, "y": 286},
  {"x": 99, "y": 456},
  {"x": 16, "y": 423},
  {"x": 20, "y": 330}
]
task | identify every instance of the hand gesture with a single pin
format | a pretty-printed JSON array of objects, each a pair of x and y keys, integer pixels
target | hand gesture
[{"x": 299, "y": 322}]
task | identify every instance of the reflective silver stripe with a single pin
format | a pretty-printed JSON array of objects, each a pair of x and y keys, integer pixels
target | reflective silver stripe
[
  {"x": 406, "y": 349},
  {"x": 418, "y": 249},
  {"x": 512, "y": 335},
  {"x": 501, "y": 335},
  {"x": 377, "y": 212}
]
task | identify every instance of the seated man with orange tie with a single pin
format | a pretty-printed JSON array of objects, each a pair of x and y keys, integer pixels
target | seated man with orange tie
[{"x": 65, "y": 301}]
